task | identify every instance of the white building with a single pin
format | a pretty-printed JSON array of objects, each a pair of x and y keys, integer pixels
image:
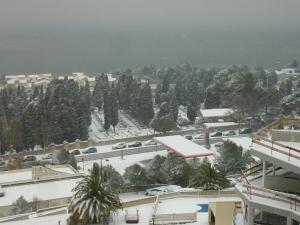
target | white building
[
  {"x": 272, "y": 196},
  {"x": 287, "y": 71}
]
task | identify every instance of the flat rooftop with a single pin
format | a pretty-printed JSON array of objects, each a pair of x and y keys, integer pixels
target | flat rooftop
[
  {"x": 42, "y": 190},
  {"x": 206, "y": 113},
  {"x": 26, "y": 174},
  {"x": 183, "y": 147},
  {"x": 220, "y": 124}
]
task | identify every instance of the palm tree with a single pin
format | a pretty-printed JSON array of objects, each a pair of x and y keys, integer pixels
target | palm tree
[
  {"x": 208, "y": 178},
  {"x": 93, "y": 200}
]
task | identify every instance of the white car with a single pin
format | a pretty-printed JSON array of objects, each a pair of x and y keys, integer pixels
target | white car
[
  {"x": 48, "y": 157},
  {"x": 156, "y": 191},
  {"x": 200, "y": 136},
  {"x": 229, "y": 133},
  {"x": 150, "y": 142},
  {"x": 120, "y": 145}
]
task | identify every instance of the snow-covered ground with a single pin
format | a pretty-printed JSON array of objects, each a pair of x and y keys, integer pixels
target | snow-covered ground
[
  {"x": 120, "y": 164},
  {"x": 127, "y": 127}
]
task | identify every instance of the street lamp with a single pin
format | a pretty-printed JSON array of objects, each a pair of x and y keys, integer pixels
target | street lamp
[{"x": 101, "y": 166}]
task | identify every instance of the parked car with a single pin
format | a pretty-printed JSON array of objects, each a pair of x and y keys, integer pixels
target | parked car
[
  {"x": 119, "y": 145},
  {"x": 229, "y": 133},
  {"x": 216, "y": 134},
  {"x": 1, "y": 192},
  {"x": 219, "y": 144},
  {"x": 246, "y": 131},
  {"x": 90, "y": 150},
  {"x": 200, "y": 136},
  {"x": 29, "y": 158},
  {"x": 75, "y": 152},
  {"x": 150, "y": 142},
  {"x": 155, "y": 191},
  {"x": 47, "y": 157},
  {"x": 135, "y": 144},
  {"x": 189, "y": 137},
  {"x": 2, "y": 162}
]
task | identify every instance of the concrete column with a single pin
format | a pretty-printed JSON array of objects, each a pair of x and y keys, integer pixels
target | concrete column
[
  {"x": 251, "y": 215},
  {"x": 274, "y": 167},
  {"x": 263, "y": 173},
  {"x": 289, "y": 221}
]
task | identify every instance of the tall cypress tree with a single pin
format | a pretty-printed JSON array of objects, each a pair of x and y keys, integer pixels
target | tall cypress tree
[
  {"x": 97, "y": 93},
  {"x": 173, "y": 104},
  {"x": 107, "y": 110},
  {"x": 145, "y": 108},
  {"x": 114, "y": 109}
]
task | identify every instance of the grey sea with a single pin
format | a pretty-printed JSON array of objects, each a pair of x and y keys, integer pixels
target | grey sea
[{"x": 64, "y": 51}]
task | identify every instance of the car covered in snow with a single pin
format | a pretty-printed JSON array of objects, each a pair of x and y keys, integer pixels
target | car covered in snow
[
  {"x": 156, "y": 191},
  {"x": 150, "y": 142},
  {"x": 229, "y": 133},
  {"x": 246, "y": 131},
  {"x": 216, "y": 134},
  {"x": 29, "y": 158},
  {"x": 48, "y": 157},
  {"x": 200, "y": 136},
  {"x": 120, "y": 145}
]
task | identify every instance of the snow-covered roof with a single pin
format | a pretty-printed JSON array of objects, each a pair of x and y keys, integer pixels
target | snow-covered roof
[
  {"x": 288, "y": 71},
  {"x": 42, "y": 190},
  {"x": 220, "y": 124},
  {"x": 224, "y": 112},
  {"x": 183, "y": 147}
]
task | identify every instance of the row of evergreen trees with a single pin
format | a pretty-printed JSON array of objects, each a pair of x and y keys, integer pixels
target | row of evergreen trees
[{"x": 61, "y": 112}]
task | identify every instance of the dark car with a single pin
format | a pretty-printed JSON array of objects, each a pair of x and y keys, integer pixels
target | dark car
[
  {"x": 217, "y": 134},
  {"x": 135, "y": 144},
  {"x": 2, "y": 162},
  {"x": 90, "y": 150},
  {"x": 246, "y": 131},
  {"x": 75, "y": 152},
  {"x": 29, "y": 158},
  {"x": 189, "y": 137}
]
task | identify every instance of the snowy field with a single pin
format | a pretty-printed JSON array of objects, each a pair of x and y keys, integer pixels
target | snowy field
[{"x": 127, "y": 127}]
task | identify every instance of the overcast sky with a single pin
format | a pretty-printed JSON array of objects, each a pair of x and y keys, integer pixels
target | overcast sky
[{"x": 149, "y": 14}]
